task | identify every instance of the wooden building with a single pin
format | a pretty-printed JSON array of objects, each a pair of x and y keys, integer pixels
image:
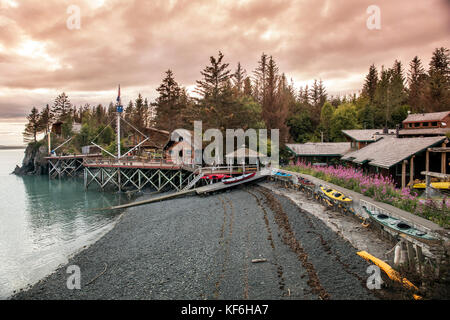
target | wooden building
[
  {"x": 57, "y": 128},
  {"x": 426, "y": 124},
  {"x": 402, "y": 158},
  {"x": 320, "y": 152},
  {"x": 361, "y": 138},
  {"x": 153, "y": 147},
  {"x": 180, "y": 147}
]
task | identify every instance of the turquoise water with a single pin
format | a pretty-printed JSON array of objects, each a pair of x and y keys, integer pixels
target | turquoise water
[{"x": 44, "y": 222}]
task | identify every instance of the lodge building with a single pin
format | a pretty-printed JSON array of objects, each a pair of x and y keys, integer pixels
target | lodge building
[{"x": 403, "y": 153}]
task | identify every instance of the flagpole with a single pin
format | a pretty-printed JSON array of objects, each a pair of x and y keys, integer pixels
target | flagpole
[
  {"x": 118, "y": 135},
  {"x": 119, "y": 110}
]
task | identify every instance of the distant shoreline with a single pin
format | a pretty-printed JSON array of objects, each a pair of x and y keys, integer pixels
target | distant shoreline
[{"x": 12, "y": 147}]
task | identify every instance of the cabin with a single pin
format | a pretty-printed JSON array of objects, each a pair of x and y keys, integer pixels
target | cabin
[
  {"x": 152, "y": 147},
  {"x": 57, "y": 128},
  {"x": 402, "y": 158},
  {"x": 91, "y": 149},
  {"x": 361, "y": 138},
  {"x": 318, "y": 152},
  {"x": 180, "y": 147},
  {"x": 426, "y": 124}
]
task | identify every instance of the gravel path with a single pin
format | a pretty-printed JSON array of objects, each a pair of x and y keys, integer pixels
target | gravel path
[{"x": 202, "y": 248}]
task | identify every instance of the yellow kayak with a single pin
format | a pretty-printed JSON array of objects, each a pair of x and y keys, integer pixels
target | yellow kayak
[
  {"x": 335, "y": 195},
  {"x": 435, "y": 185}
]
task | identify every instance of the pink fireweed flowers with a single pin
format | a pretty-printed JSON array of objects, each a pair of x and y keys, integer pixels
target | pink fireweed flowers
[{"x": 378, "y": 187}]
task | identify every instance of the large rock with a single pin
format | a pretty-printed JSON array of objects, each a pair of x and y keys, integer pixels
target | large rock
[{"x": 33, "y": 162}]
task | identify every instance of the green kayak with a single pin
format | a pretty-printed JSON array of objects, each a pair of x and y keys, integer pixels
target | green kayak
[{"x": 400, "y": 226}]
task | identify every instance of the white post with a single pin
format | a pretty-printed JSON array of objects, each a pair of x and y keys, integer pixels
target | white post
[
  {"x": 118, "y": 135},
  {"x": 49, "y": 144}
]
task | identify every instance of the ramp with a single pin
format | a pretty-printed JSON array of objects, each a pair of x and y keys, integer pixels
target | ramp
[{"x": 202, "y": 190}]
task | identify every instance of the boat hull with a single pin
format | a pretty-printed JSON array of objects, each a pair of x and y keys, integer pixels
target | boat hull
[{"x": 400, "y": 226}]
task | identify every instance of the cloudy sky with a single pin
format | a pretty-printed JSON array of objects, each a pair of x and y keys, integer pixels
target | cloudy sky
[{"x": 134, "y": 42}]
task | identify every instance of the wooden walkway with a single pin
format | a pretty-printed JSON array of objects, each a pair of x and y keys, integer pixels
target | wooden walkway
[
  {"x": 74, "y": 156},
  {"x": 220, "y": 186}
]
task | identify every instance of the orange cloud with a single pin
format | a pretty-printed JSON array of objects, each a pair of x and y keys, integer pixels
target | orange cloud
[{"x": 134, "y": 42}]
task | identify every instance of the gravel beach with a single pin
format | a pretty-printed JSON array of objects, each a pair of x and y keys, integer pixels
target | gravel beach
[{"x": 202, "y": 248}]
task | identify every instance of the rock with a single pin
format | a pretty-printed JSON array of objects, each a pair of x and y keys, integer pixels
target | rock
[{"x": 34, "y": 162}]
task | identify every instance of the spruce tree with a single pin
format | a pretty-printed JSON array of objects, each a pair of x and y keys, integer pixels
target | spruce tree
[
  {"x": 215, "y": 79},
  {"x": 417, "y": 79},
  {"x": 438, "y": 91},
  {"x": 45, "y": 119},
  {"x": 370, "y": 84},
  {"x": 260, "y": 76},
  {"x": 167, "y": 104},
  {"x": 33, "y": 127},
  {"x": 398, "y": 96},
  {"x": 239, "y": 77},
  {"x": 62, "y": 107},
  {"x": 383, "y": 107},
  {"x": 216, "y": 102},
  {"x": 140, "y": 113}
]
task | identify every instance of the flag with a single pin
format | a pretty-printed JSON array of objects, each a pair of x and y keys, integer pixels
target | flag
[{"x": 118, "y": 97}]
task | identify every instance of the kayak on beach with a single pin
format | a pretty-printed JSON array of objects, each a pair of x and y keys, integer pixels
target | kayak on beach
[
  {"x": 282, "y": 174},
  {"x": 335, "y": 195},
  {"x": 215, "y": 176},
  {"x": 399, "y": 226},
  {"x": 435, "y": 185},
  {"x": 239, "y": 178},
  {"x": 305, "y": 182}
]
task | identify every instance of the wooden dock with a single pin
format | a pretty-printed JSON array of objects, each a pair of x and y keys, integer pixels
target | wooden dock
[
  {"x": 67, "y": 165},
  {"x": 216, "y": 187}
]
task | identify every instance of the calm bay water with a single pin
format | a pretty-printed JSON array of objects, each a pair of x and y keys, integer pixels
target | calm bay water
[{"x": 43, "y": 222}]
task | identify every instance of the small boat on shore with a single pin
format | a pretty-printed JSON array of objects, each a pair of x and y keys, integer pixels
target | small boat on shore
[
  {"x": 215, "y": 177},
  {"x": 399, "y": 226},
  {"x": 282, "y": 174},
  {"x": 435, "y": 185},
  {"x": 239, "y": 178},
  {"x": 305, "y": 182},
  {"x": 335, "y": 195}
]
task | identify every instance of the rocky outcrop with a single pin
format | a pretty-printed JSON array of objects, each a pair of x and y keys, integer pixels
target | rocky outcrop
[{"x": 33, "y": 162}]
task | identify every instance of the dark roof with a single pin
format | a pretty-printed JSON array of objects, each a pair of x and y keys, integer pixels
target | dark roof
[
  {"x": 389, "y": 151},
  {"x": 320, "y": 148}
]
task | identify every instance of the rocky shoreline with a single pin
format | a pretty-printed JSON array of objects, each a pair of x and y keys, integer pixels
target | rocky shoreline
[
  {"x": 34, "y": 162},
  {"x": 203, "y": 248}
]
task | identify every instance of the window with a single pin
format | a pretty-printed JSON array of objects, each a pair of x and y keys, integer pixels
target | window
[
  {"x": 434, "y": 124},
  {"x": 425, "y": 124},
  {"x": 417, "y": 124},
  {"x": 409, "y": 125}
]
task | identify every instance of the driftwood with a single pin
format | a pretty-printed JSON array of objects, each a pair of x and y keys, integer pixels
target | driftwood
[{"x": 258, "y": 260}]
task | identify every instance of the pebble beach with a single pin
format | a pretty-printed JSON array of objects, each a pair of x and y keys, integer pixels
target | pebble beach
[{"x": 247, "y": 243}]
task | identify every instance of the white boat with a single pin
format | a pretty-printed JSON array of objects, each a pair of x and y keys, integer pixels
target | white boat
[{"x": 239, "y": 178}]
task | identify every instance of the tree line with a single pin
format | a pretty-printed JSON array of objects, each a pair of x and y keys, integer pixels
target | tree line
[{"x": 263, "y": 98}]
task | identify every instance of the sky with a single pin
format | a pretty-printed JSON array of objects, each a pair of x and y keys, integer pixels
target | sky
[{"x": 87, "y": 47}]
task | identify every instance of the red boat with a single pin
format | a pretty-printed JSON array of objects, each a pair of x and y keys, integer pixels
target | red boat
[
  {"x": 239, "y": 178},
  {"x": 305, "y": 182},
  {"x": 215, "y": 176}
]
